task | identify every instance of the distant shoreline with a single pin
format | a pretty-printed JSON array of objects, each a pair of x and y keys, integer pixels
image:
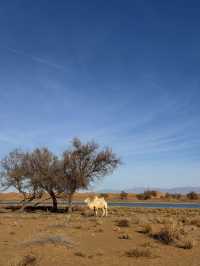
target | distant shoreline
[
  {"x": 112, "y": 202},
  {"x": 110, "y": 197}
]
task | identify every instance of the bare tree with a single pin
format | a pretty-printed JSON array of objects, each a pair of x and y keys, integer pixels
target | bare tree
[
  {"x": 84, "y": 163},
  {"x": 39, "y": 171},
  {"x": 14, "y": 174},
  {"x": 41, "y": 166}
]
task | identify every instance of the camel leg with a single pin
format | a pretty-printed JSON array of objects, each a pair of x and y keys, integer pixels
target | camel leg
[{"x": 106, "y": 211}]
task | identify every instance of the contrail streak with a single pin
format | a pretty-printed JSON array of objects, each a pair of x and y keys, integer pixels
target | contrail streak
[{"x": 37, "y": 59}]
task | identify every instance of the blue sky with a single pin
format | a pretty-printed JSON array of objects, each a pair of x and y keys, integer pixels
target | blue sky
[{"x": 125, "y": 73}]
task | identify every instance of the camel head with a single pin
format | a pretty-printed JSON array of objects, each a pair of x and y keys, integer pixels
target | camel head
[{"x": 87, "y": 200}]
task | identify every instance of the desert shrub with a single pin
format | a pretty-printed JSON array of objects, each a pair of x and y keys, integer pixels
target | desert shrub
[
  {"x": 186, "y": 244},
  {"x": 195, "y": 221},
  {"x": 80, "y": 254},
  {"x": 168, "y": 234},
  {"x": 123, "y": 195},
  {"x": 140, "y": 196},
  {"x": 192, "y": 195},
  {"x": 167, "y": 195},
  {"x": 146, "y": 229},
  {"x": 28, "y": 260},
  {"x": 100, "y": 230},
  {"x": 148, "y": 245},
  {"x": 123, "y": 222},
  {"x": 184, "y": 220},
  {"x": 176, "y": 196},
  {"x": 125, "y": 236},
  {"x": 78, "y": 226},
  {"x": 99, "y": 222},
  {"x": 153, "y": 193},
  {"x": 139, "y": 252},
  {"x": 99, "y": 252},
  {"x": 148, "y": 194},
  {"x": 135, "y": 220}
]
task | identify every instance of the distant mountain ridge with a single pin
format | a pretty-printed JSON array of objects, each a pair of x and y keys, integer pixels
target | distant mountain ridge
[{"x": 137, "y": 190}]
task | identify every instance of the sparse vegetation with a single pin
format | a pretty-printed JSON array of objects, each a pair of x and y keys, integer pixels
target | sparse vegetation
[
  {"x": 148, "y": 244},
  {"x": 175, "y": 196},
  {"x": 123, "y": 195},
  {"x": 55, "y": 240},
  {"x": 125, "y": 236},
  {"x": 89, "y": 240},
  {"x": 139, "y": 252},
  {"x": 192, "y": 196},
  {"x": 168, "y": 234},
  {"x": 186, "y": 244},
  {"x": 195, "y": 222},
  {"x": 148, "y": 194},
  {"x": 79, "y": 254},
  {"x": 146, "y": 229},
  {"x": 28, "y": 260},
  {"x": 123, "y": 222}
]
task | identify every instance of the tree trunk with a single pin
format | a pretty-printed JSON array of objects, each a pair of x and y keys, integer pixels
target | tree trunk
[
  {"x": 70, "y": 202},
  {"x": 54, "y": 200}
]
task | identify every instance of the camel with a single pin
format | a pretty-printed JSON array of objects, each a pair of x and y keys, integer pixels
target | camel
[{"x": 96, "y": 204}]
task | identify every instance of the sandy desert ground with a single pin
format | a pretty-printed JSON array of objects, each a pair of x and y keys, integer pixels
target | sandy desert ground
[{"x": 127, "y": 236}]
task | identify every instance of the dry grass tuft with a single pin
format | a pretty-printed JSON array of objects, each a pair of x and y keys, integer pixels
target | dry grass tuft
[
  {"x": 146, "y": 229},
  {"x": 148, "y": 244},
  {"x": 125, "y": 236},
  {"x": 139, "y": 252},
  {"x": 80, "y": 254},
  {"x": 78, "y": 226},
  {"x": 195, "y": 222},
  {"x": 186, "y": 244},
  {"x": 55, "y": 240},
  {"x": 58, "y": 226},
  {"x": 123, "y": 222},
  {"x": 87, "y": 213},
  {"x": 28, "y": 260},
  {"x": 100, "y": 230},
  {"x": 99, "y": 252},
  {"x": 99, "y": 222}
]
